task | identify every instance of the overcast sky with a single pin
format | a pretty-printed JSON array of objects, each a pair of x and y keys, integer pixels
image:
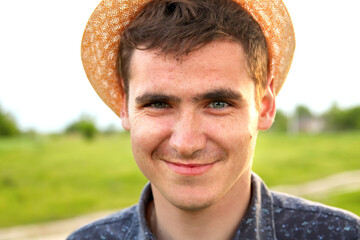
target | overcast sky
[{"x": 43, "y": 85}]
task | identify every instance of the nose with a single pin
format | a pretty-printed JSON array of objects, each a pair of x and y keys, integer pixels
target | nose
[{"x": 187, "y": 136}]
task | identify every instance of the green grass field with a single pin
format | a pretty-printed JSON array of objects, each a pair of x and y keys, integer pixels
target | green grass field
[{"x": 49, "y": 178}]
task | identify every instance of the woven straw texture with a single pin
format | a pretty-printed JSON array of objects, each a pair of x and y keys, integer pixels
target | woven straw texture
[{"x": 100, "y": 43}]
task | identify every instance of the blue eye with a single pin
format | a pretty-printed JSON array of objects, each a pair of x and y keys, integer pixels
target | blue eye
[
  {"x": 159, "y": 105},
  {"x": 218, "y": 104}
]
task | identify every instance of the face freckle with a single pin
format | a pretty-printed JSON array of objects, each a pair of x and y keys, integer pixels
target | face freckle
[{"x": 193, "y": 123}]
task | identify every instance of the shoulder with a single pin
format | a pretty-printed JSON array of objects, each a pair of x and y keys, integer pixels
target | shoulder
[
  {"x": 296, "y": 217},
  {"x": 115, "y": 226}
]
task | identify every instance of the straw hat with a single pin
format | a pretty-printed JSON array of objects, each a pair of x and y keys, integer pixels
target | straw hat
[{"x": 100, "y": 43}]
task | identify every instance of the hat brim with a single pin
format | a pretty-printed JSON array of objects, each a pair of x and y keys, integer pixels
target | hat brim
[{"x": 100, "y": 43}]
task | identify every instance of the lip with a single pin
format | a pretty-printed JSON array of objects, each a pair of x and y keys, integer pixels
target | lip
[{"x": 189, "y": 169}]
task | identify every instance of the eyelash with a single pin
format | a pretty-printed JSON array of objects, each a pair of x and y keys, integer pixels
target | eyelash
[
  {"x": 153, "y": 105},
  {"x": 164, "y": 105}
]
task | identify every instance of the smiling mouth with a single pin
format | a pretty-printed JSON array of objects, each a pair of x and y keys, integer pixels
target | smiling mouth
[{"x": 189, "y": 169}]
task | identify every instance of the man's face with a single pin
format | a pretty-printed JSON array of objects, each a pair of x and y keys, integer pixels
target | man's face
[{"x": 193, "y": 123}]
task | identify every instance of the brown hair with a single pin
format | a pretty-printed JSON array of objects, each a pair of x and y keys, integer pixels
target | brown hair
[{"x": 177, "y": 27}]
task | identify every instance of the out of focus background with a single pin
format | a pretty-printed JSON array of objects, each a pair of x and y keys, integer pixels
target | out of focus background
[{"x": 63, "y": 153}]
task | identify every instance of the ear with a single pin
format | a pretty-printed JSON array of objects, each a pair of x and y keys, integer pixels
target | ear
[
  {"x": 124, "y": 113},
  {"x": 267, "y": 107}
]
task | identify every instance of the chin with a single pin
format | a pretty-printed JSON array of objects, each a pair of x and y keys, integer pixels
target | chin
[
  {"x": 193, "y": 198},
  {"x": 193, "y": 204}
]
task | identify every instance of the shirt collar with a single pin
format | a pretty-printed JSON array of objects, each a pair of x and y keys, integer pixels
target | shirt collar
[
  {"x": 258, "y": 222},
  {"x": 145, "y": 198}
]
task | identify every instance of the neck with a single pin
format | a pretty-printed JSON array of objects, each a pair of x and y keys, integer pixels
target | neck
[{"x": 219, "y": 221}]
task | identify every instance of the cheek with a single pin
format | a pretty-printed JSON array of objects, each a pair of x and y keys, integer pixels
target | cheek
[
  {"x": 237, "y": 135},
  {"x": 147, "y": 134},
  {"x": 238, "y": 128}
]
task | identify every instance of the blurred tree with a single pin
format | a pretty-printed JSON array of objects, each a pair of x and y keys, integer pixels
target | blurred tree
[
  {"x": 353, "y": 118},
  {"x": 281, "y": 122},
  {"x": 8, "y": 125},
  {"x": 342, "y": 120},
  {"x": 111, "y": 130},
  {"x": 302, "y": 111},
  {"x": 85, "y": 126},
  {"x": 334, "y": 118}
]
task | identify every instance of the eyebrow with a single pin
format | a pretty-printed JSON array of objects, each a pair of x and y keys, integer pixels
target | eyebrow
[
  {"x": 218, "y": 94},
  {"x": 153, "y": 97}
]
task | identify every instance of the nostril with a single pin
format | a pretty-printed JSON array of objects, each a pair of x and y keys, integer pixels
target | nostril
[{"x": 187, "y": 143}]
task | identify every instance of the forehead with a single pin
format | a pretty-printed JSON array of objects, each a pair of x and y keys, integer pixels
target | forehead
[{"x": 214, "y": 65}]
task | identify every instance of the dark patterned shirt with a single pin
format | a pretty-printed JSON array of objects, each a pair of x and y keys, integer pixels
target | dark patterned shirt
[{"x": 270, "y": 216}]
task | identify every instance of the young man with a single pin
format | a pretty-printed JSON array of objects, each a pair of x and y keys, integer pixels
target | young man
[{"x": 194, "y": 82}]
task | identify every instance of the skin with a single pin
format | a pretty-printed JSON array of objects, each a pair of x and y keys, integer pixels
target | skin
[{"x": 193, "y": 125}]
